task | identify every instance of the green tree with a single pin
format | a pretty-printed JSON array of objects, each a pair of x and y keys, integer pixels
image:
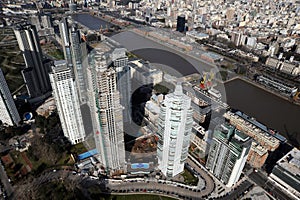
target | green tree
[
  {"x": 224, "y": 75},
  {"x": 40, "y": 121},
  {"x": 161, "y": 89}
]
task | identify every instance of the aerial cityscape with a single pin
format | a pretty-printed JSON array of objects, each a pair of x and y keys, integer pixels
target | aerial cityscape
[{"x": 150, "y": 99}]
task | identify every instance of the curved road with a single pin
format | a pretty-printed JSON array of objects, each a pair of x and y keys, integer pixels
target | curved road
[
  {"x": 158, "y": 187},
  {"x": 209, "y": 183}
]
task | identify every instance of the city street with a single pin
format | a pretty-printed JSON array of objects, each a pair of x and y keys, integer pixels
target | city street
[
  {"x": 209, "y": 183},
  {"x": 238, "y": 191},
  {"x": 112, "y": 186},
  {"x": 155, "y": 187}
]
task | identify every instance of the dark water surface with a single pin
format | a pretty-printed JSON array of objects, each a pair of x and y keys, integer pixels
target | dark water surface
[
  {"x": 266, "y": 107},
  {"x": 90, "y": 21}
]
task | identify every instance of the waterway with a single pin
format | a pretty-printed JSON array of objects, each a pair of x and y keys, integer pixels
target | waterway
[
  {"x": 91, "y": 22},
  {"x": 266, "y": 107}
]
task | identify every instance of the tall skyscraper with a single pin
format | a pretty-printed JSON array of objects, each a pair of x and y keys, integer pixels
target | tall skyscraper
[
  {"x": 120, "y": 63},
  {"x": 228, "y": 153},
  {"x": 8, "y": 112},
  {"x": 76, "y": 55},
  {"x": 64, "y": 34},
  {"x": 67, "y": 102},
  {"x": 36, "y": 74},
  {"x": 180, "y": 24},
  {"x": 106, "y": 110},
  {"x": 174, "y": 129},
  {"x": 79, "y": 56}
]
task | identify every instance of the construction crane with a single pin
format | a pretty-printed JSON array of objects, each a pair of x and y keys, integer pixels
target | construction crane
[
  {"x": 296, "y": 96},
  {"x": 207, "y": 82},
  {"x": 203, "y": 81}
]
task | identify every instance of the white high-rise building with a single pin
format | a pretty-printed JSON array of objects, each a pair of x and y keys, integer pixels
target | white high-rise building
[
  {"x": 174, "y": 129},
  {"x": 8, "y": 112},
  {"x": 75, "y": 52},
  {"x": 67, "y": 101},
  {"x": 228, "y": 154},
  {"x": 106, "y": 110}
]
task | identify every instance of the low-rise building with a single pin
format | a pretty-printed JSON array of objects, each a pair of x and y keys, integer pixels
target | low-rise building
[
  {"x": 254, "y": 130},
  {"x": 152, "y": 111},
  {"x": 145, "y": 73},
  {"x": 211, "y": 57},
  {"x": 201, "y": 139},
  {"x": 257, "y": 155},
  {"x": 196, "y": 35},
  {"x": 286, "y": 173},
  {"x": 283, "y": 66}
]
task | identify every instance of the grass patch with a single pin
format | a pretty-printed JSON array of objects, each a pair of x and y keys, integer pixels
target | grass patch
[
  {"x": 228, "y": 65},
  {"x": 66, "y": 160},
  {"x": 130, "y": 55},
  {"x": 14, "y": 83},
  {"x": 11, "y": 63},
  {"x": 16, "y": 156},
  {"x": 224, "y": 75},
  {"x": 59, "y": 190},
  {"x": 57, "y": 54},
  {"x": 78, "y": 149},
  {"x": 189, "y": 178},
  {"x": 161, "y": 89},
  {"x": 18, "y": 59}
]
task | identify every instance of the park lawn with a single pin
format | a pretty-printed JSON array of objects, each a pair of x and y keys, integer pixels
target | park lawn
[
  {"x": 66, "y": 160},
  {"x": 78, "y": 149},
  {"x": 189, "y": 178},
  {"x": 17, "y": 157},
  {"x": 57, "y": 54}
]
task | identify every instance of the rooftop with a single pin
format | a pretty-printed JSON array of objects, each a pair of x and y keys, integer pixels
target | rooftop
[
  {"x": 260, "y": 150},
  {"x": 291, "y": 162}
]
